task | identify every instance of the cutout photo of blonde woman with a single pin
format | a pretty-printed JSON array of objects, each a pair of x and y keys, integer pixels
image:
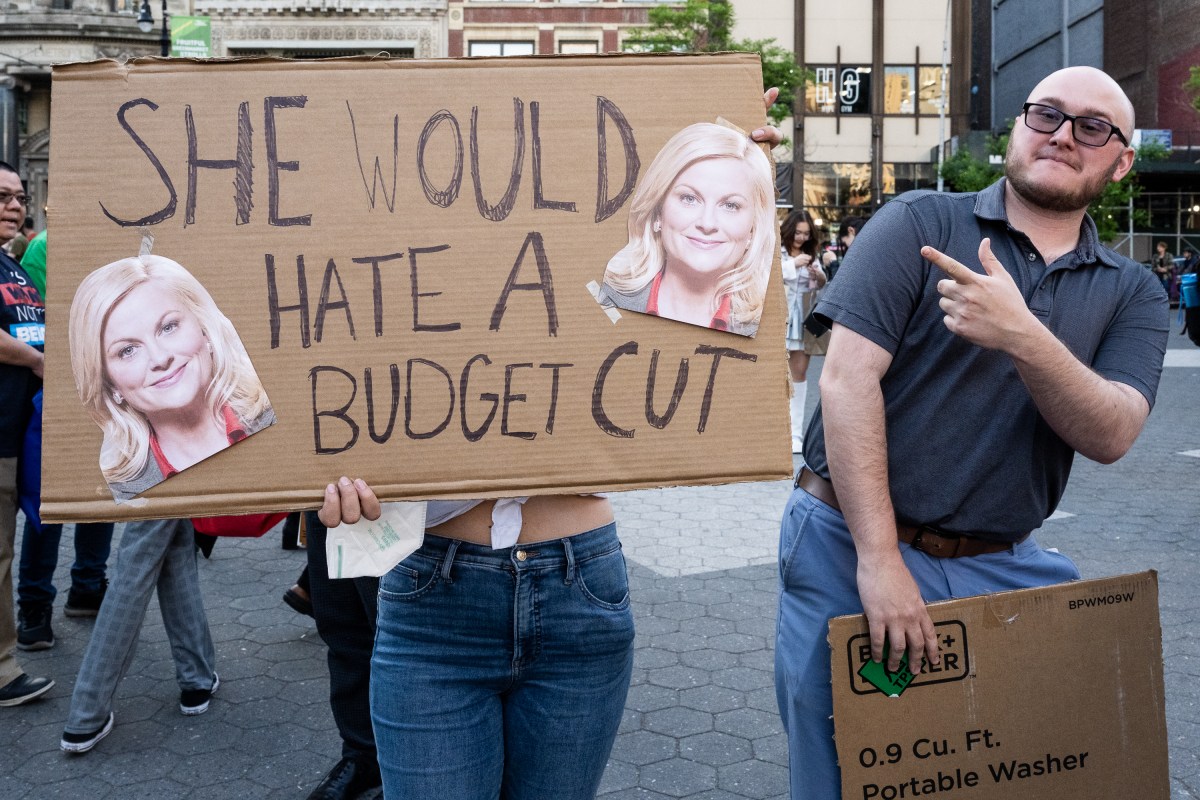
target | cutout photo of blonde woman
[
  {"x": 161, "y": 370},
  {"x": 701, "y": 233}
]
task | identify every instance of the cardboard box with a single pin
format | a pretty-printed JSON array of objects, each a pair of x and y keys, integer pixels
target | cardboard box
[
  {"x": 404, "y": 248},
  {"x": 1042, "y": 693}
]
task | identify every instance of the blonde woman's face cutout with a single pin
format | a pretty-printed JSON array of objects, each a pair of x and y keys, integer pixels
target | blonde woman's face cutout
[
  {"x": 707, "y": 217},
  {"x": 155, "y": 352}
]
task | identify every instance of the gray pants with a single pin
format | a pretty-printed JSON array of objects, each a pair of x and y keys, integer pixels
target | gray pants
[{"x": 153, "y": 554}]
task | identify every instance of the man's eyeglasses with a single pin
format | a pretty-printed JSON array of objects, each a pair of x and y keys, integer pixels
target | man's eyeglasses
[
  {"x": 6, "y": 197},
  {"x": 1086, "y": 130}
]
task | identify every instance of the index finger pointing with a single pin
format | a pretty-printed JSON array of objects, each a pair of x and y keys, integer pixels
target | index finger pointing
[{"x": 955, "y": 269}]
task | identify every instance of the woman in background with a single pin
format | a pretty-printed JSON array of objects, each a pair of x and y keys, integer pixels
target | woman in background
[{"x": 803, "y": 277}]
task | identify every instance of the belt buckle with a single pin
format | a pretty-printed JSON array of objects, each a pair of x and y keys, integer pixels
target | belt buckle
[{"x": 934, "y": 547}]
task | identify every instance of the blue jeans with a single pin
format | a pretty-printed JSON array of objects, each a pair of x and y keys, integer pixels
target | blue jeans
[
  {"x": 817, "y": 571},
  {"x": 502, "y": 673},
  {"x": 39, "y": 559}
]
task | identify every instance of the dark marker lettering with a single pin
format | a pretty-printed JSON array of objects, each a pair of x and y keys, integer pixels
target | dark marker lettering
[
  {"x": 408, "y": 401},
  {"x": 536, "y": 147},
  {"x": 337, "y": 413},
  {"x": 242, "y": 164},
  {"x": 598, "y": 413},
  {"x": 378, "y": 181},
  {"x": 377, "y": 284},
  {"x": 274, "y": 165},
  {"x": 274, "y": 309},
  {"x": 553, "y": 392},
  {"x": 416, "y": 295},
  {"x": 545, "y": 284},
  {"x": 681, "y": 377},
  {"x": 324, "y": 304},
  {"x": 509, "y": 398},
  {"x": 503, "y": 208},
  {"x": 368, "y": 385},
  {"x": 717, "y": 353},
  {"x": 441, "y": 197},
  {"x": 474, "y": 435},
  {"x": 167, "y": 211},
  {"x": 606, "y": 207}
]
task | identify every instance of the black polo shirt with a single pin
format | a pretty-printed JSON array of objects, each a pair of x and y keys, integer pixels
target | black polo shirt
[{"x": 967, "y": 449}]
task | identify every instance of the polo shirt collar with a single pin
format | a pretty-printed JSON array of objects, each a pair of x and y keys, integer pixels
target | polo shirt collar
[{"x": 989, "y": 205}]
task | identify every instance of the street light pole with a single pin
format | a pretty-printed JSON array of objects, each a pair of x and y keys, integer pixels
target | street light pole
[{"x": 145, "y": 23}]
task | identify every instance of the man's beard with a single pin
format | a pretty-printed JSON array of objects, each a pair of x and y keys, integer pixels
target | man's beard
[{"x": 1055, "y": 198}]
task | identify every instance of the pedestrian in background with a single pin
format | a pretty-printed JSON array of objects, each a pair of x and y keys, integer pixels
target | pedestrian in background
[
  {"x": 1163, "y": 265},
  {"x": 39, "y": 542},
  {"x": 21, "y": 363},
  {"x": 803, "y": 278}
]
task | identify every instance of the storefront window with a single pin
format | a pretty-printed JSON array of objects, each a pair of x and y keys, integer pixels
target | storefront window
[
  {"x": 904, "y": 177},
  {"x": 500, "y": 49},
  {"x": 835, "y": 190},
  {"x": 899, "y": 90},
  {"x": 844, "y": 90},
  {"x": 930, "y": 91},
  {"x": 578, "y": 47}
]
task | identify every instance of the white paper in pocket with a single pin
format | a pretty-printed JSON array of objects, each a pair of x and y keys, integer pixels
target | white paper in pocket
[{"x": 372, "y": 548}]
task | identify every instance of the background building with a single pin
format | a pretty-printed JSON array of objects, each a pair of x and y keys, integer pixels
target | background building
[
  {"x": 867, "y": 128},
  {"x": 537, "y": 27},
  {"x": 34, "y": 34},
  {"x": 880, "y": 103},
  {"x": 1148, "y": 46},
  {"x": 307, "y": 29}
]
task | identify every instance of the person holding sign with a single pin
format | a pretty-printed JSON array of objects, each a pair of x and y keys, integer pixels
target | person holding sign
[
  {"x": 701, "y": 233},
  {"x": 979, "y": 341},
  {"x": 161, "y": 370},
  {"x": 504, "y": 648},
  {"x": 504, "y": 645}
]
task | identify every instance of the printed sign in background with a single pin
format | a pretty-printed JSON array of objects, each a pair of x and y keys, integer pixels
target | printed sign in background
[
  {"x": 191, "y": 37},
  {"x": 404, "y": 248}
]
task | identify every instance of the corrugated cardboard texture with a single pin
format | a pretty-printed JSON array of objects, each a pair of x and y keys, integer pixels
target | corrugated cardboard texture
[
  {"x": 325, "y": 188},
  {"x": 1043, "y": 693}
]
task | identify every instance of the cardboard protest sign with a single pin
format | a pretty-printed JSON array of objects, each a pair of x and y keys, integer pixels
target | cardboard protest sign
[
  {"x": 410, "y": 254},
  {"x": 1041, "y": 694}
]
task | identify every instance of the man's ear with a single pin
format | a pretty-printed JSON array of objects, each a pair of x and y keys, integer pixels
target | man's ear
[{"x": 1124, "y": 163}]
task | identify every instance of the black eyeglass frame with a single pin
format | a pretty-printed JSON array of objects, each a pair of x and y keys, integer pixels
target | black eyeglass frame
[
  {"x": 1113, "y": 130},
  {"x": 21, "y": 198}
]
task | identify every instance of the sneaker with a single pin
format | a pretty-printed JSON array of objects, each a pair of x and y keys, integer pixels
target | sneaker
[
  {"x": 85, "y": 604},
  {"x": 33, "y": 628},
  {"x": 82, "y": 742},
  {"x": 24, "y": 689},
  {"x": 195, "y": 701}
]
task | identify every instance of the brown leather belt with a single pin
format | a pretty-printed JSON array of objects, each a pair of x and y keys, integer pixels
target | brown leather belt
[{"x": 940, "y": 544}]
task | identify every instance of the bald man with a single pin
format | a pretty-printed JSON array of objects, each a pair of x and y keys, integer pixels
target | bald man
[{"x": 979, "y": 341}]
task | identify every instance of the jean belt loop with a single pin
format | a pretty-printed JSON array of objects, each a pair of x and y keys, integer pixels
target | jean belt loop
[
  {"x": 448, "y": 560},
  {"x": 566, "y": 543}
]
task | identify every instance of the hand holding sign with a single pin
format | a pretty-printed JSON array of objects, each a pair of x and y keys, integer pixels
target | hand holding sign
[
  {"x": 987, "y": 310},
  {"x": 348, "y": 501}
]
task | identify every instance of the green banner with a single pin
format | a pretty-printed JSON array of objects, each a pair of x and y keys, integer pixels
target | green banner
[{"x": 191, "y": 37}]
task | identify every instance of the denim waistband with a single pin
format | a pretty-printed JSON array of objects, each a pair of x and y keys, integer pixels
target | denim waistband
[{"x": 551, "y": 553}]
